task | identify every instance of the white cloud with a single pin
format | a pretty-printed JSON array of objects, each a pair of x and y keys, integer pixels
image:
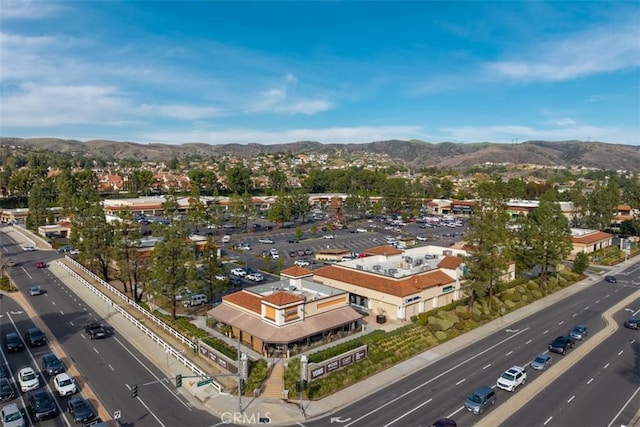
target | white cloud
[
  {"x": 565, "y": 121},
  {"x": 40, "y": 105},
  {"x": 592, "y": 51},
  {"x": 28, "y": 9},
  {"x": 282, "y": 99},
  {"x": 180, "y": 112}
]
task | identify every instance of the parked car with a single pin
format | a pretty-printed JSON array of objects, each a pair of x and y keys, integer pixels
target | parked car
[
  {"x": 35, "y": 337},
  {"x": 35, "y": 290},
  {"x": 308, "y": 251},
  {"x": 266, "y": 241},
  {"x": 512, "y": 378},
  {"x": 561, "y": 344},
  {"x": 293, "y": 241},
  {"x": 632, "y": 323},
  {"x": 256, "y": 277},
  {"x": 480, "y": 399},
  {"x": 220, "y": 277},
  {"x": 95, "y": 330},
  {"x": 6, "y": 389},
  {"x": 195, "y": 300},
  {"x": 80, "y": 410},
  {"x": 611, "y": 279},
  {"x": 12, "y": 416},
  {"x": 579, "y": 332},
  {"x": 64, "y": 384},
  {"x": 328, "y": 236},
  {"x": 302, "y": 263},
  {"x": 28, "y": 248},
  {"x": 239, "y": 272},
  {"x": 51, "y": 365},
  {"x": 274, "y": 253},
  {"x": 28, "y": 379},
  {"x": 41, "y": 264},
  {"x": 541, "y": 362},
  {"x": 42, "y": 405},
  {"x": 13, "y": 342}
]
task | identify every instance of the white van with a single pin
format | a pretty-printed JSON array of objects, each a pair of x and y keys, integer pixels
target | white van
[
  {"x": 196, "y": 299},
  {"x": 226, "y": 238}
]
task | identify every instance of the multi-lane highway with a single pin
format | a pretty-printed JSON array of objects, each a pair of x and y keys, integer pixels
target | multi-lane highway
[
  {"x": 440, "y": 389},
  {"x": 109, "y": 367}
]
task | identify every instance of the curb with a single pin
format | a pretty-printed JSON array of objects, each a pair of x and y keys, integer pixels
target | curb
[{"x": 508, "y": 408}]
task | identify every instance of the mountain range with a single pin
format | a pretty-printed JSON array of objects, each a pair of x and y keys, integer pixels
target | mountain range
[{"x": 414, "y": 153}]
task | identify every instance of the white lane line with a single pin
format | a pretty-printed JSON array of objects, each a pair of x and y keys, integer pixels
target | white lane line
[
  {"x": 547, "y": 422},
  {"x": 598, "y": 302},
  {"x": 529, "y": 342},
  {"x": 545, "y": 332},
  {"x": 631, "y": 399},
  {"x": 53, "y": 302},
  {"x": 437, "y": 377},
  {"x": 485, "y": 367},
  {"x": 561, "y": 323},
  {"x": 110, "y": 367},
  {"x": 590, "y": 380},
  {"x": 586, "y": 308},
  {"x": 62, "y": 312},
  {"x": 96, "y": 350},
  {"x": 509, "y": 353},
  {"x": 571, "y": 398},
  {"x": 461, "y": 381},
  {"x": 606, "y": 366},
  {"x": 621, "y": 351},
  {"x": 574, "y": 314},
  {"x": 407, "y": 413}
]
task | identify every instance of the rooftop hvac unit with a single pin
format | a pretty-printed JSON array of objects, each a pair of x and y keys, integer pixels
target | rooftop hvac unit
[
  {"x": 392, "y": 271},
  {"x": 376, "y": 267},
  {"x": 359, "y": 267},
  {"x": 447, "y": 252}
]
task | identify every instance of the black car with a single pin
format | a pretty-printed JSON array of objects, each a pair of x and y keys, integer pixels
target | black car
[
  {"x": 561, "y": 344},
  {"x": 3, "y": 372},
  {"x": 42, "y": 405},
  {"x": 51, "y": 364},
  {"x": 35, "y": 337},
  {"x": 13, "y": 342},
  {"x": 632, "y": 323},
  {"x": 95, "y": 330},
  {"x": 81, "y": 410},
  {"x": 611, "y": 279},
  {"x": 6, "y": 389}
]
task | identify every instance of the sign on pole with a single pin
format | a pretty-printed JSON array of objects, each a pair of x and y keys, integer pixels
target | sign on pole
[
  {"x": 204, "y": 382},
  {"x": 117, "y": 415}
]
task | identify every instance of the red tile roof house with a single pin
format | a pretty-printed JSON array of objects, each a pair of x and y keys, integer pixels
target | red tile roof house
[{"x": 589, "y": 241}]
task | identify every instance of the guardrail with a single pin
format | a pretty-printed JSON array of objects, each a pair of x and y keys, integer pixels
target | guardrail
[
  {"x": 166, "y": 346},
  {"x": 168, "y": 329}
]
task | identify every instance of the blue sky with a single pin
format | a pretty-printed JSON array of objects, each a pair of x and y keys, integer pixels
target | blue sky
[{"x": 333, "y": 71}]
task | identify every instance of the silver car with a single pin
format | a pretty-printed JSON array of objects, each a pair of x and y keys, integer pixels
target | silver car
[
  {"x": 541, "y": 362},
  {"x": 579, "y": 332},
  {"x": 12, "y": 416}
]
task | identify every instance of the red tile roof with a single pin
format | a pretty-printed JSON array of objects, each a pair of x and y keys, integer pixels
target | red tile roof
[
  {"x": 383, "y": 250},
  {"x": 594, "y": 237},
  {"x": 296, "y": 272},
  {"x": 389, "y": 285},
  {"x": 451, "y": 262},
  {"x": 246, "y": 300},
  {"x": 283, "y": 298}
]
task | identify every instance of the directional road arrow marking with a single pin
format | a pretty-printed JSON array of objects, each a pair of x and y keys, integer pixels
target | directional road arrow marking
[{"x": 339, "y": 420}]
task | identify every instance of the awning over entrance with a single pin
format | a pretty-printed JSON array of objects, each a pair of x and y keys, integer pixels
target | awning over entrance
[{"x": 282, "y": 335}]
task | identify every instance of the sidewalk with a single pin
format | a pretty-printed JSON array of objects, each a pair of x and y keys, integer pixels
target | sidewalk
[{"x": 232, "y": 409}]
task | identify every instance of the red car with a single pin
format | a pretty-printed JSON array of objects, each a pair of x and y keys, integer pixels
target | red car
[{"x": 41, "y": 264}]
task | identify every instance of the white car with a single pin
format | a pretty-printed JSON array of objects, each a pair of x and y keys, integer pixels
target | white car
[
  {"x": 302, "y": 263},
  {"x": 421, "y": 238},
  {"x": 28, "y": 379},
  {"x": 266, "y": 241},
  {"x": 274, "y": 253},
  {"x": 512, "y": 378},
  {"x": 361, "y": 230},
  {"x": 256, "y": 277},
  {"x": 12, "y": 416},
  {"x": 328, "y": 236},
  {"x": 28, "y": 248},
  {"x": 239, "y": 272},
  {"x": 64, "y": 384},
  {"x": 220, "y": 277}
]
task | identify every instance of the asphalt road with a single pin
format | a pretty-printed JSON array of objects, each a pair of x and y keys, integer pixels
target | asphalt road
[
  {"x": 110, "y": 366},
  {"x": 440, "y": 389}
]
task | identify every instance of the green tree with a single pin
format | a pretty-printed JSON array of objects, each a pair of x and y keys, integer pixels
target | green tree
[
  {"x": 126, "y": 242},
  {"x": 277, "y": 180},
  {"x": 488, "y": 241},
  {"x": 581, "y": 263},
  {"x": 239, "y": 180},
  {"x": 395, "y": 192},
  {"x": 545, "y": 237}
]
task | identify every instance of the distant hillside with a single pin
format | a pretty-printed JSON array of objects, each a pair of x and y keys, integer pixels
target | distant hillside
[{"x": 415, "y": 153}]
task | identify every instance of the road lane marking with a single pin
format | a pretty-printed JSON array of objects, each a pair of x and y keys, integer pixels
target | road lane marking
[
  {"x": 407, "y": 413},
  {"x": 461, "y": 381},
  {"x": 547, "y": 422},
  {"x": 432, "y": 379},
  {"x": 545, "y": 332},
  {"x": 606, "y": 366},
  {"x": 147, "y": 408},
  {"x": 574, "y": 314},
  {"x": 529, "y": 342},
  {"x": 487, "y": 366},
  {"x": 589, "y": 382},
  {"x": 571, "y": 398},
  {"x": 621, "y": 351},
  {"x": 509, "y": 353},
  {"x": 96, "y": 350},
  {"x": 561, "y": 323},
  {"x": 631, "y": 399}
]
